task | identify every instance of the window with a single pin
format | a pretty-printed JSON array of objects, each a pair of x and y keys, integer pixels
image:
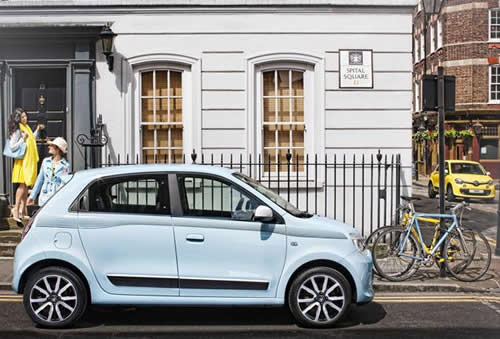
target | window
[
  {"x": 489, "y": 149},
  {"x": 467, "y": 168},
  {"x": 210, "y": 197},
  {"x": 495, "y": 24},
  {"x": 495, "y": 83},
  {"x": 161, "y": 115},
  {"x": 422, "y": 46},
  {"x": 283, "y": 117},
  {"x": 439, "y": 34},
  {"x": 432, "y": 33},
  {"x": 417, "y": 97},
  {"x": 130, "y": 195}
]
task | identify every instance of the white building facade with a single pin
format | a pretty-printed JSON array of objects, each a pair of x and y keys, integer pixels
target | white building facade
[{"x": 247, "y": 78}]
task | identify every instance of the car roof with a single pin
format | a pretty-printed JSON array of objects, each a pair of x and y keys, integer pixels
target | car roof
[
  {"x": 462, "y": 161},
  {"x": 151, "y": 168}
]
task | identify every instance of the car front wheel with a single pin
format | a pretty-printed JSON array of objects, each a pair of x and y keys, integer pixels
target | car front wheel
[
  {"x": 319, "y": 297},
  {"x": 449, "y": 194},
  {"x": 431, "y": 192},
  {"x": 55, "y": 297}
]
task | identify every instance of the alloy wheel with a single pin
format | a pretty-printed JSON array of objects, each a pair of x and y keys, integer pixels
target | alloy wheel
[
  {"x": 53, "y": 298},
  {"x": 321, "y": 298}
]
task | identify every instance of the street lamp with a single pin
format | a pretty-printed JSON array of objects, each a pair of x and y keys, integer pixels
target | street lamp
[
  {"x": 107, "y": 36},
  {"x": 432, "y": 6}
]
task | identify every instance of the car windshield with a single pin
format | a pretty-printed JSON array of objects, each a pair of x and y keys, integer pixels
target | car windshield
[
  {"x": 467, "y": 168},
  {"x": 277, "y": 199}
]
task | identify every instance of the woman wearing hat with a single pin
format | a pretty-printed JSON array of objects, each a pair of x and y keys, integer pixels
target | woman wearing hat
[{"x": 53, "y": 172}]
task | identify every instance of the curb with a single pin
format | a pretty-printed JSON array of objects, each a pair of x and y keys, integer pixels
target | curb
[
  {"x": 416, "y": 183},
  {"x": 426, "y": 288},
  {"x": 5, "y": 287}
]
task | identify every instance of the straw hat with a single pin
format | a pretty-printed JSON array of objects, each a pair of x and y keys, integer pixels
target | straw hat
[{"x": 60, "y": 143}]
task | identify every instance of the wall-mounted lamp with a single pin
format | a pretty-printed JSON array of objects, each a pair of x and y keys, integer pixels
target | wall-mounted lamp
[
  {"x": 107, "y": 36},
  {"x": 477, "y": 127}
]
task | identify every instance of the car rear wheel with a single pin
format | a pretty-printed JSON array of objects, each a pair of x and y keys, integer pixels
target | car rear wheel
[
  {"x": 431, "y": 192},
  {"x": 449, "y": 194},
  {"x": 319, "y": 297},
  {"x": 55, "y": 297}
]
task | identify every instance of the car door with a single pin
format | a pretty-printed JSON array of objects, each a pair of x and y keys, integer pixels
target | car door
[
  {"x": 221, "y": 251},
  {"x": 127, "y": 233}
]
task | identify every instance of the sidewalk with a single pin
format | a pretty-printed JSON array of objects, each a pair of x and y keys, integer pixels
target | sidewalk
[{"x": 427, "y": 280}]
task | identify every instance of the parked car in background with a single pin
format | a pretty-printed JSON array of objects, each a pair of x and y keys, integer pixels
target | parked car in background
[
  {"x": 463, "y": 179},
  {"x": 185, "y": 235}
]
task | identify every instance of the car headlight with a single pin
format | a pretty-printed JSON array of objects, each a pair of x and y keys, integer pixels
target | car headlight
[
  {"x": 358, "y": 240},
  {"x": 490, "y": 182},
  {"x": 459, "y": 181}
]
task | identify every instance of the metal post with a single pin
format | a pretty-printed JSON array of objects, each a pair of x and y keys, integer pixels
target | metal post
[{"x": 441, "y": 101}]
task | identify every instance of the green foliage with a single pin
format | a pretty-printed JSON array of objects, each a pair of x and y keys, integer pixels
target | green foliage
[
  {"x": 466, "y": 133},
  {"x": 451, "y": 134}
]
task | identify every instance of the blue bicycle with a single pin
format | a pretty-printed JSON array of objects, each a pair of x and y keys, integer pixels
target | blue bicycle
[{"x": 398, "y": 252}]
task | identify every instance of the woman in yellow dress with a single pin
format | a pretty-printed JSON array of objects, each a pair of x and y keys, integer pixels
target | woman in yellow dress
[{"x": 24, "y": 171}]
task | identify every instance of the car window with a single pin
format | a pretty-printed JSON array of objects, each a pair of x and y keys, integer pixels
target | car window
[
  {"x": 211, "y": 197},
  {"x": 144, "y": 194},
  {"x": 467, "y": 168}
]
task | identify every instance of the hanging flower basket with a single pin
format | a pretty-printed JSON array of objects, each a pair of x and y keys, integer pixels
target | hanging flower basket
[
  {"x": 450, "y": 135},
  {"x": 466, "y": 135}
]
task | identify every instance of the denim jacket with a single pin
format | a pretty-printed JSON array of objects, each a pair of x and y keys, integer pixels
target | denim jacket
[{"x": 49, "y": 180}]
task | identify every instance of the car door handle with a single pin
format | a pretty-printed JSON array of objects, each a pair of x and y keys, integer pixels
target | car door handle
[{"x": 195, "y": 237}]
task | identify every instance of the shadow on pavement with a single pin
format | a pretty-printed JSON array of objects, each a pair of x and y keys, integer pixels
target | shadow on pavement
[{"x": 220, "y": 317}]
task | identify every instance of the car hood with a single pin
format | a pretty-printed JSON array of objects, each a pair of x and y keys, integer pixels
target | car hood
[
  {"x": 319, "y": 227},
  {"x": 472, "y": 177}
]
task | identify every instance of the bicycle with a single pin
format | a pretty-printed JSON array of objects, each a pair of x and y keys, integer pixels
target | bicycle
[
  {"x": 468, "y": 253},
  {"x": 407, "y": 210}
]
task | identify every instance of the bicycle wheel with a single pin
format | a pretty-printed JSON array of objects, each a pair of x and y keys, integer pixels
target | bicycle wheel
[
  {"x": 469, "y": 255},
  {"x": 371, "y": 240},
  {"x": 393, "y": 258}
]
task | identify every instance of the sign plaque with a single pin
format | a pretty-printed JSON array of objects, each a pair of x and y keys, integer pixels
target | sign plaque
[{"x": 356, "y": 69}]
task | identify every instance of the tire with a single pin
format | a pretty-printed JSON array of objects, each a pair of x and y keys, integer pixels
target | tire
[
  {"x": 315, "y": 305},
  {"x": 430, "y": 191},
  {"x": 386, "y": 256},
  {"x": 55, "y": 297},
  {"x": 469, "y": 257},
  {"x": 449, "y": 194}
]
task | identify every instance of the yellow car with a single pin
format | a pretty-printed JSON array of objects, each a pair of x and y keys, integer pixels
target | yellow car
[{"x": 463, "y": 179}]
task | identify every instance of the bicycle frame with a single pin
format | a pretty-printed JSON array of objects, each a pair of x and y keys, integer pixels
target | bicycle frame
[{"x": 435, "y": 246}]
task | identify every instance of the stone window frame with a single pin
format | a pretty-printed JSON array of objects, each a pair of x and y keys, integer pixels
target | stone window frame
[
  {"x": 490, "y": 83},
  {"x": 290, "y": 59},
  {"x": 497, "y": 10},
  {"x": 191, "y": 85}
]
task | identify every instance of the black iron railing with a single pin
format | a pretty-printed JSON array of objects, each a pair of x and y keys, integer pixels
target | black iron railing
[{"x": 363, "y": 191}]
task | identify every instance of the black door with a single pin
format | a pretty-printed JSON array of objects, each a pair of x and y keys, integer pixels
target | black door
[{"x": 42, "y": 94}]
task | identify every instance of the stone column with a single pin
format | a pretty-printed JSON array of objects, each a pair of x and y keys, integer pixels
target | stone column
[{"x": 82, "y": 108}]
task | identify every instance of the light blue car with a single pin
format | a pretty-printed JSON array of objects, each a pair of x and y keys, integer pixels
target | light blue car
[{"x": 185, "y": 235}]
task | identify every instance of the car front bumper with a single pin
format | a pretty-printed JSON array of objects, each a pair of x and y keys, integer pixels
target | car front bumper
[
  {"x": 364, "y": 277},
  {"x": 487, "y": 192}
]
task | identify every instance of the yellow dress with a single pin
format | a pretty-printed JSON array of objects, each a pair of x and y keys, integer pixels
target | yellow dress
[{"x": 25, "y": 169}]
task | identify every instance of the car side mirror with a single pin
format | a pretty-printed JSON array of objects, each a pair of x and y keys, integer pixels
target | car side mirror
[
  {"x": 488, "y": 174},
  {"x": 445, "y": 172},
  {"x": 263, "y": 214}
]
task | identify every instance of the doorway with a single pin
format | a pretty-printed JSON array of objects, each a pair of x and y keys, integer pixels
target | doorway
[{"x": 42, "y": 93}]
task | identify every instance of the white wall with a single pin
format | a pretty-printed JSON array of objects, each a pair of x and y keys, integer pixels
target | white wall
[{"x": 217, "y": 45}]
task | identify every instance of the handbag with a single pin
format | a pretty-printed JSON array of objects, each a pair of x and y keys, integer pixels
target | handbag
[{"x": 17, "y": 154}]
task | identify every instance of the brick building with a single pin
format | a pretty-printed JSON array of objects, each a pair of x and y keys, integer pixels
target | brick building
[{"x": 464, "y": 38}]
